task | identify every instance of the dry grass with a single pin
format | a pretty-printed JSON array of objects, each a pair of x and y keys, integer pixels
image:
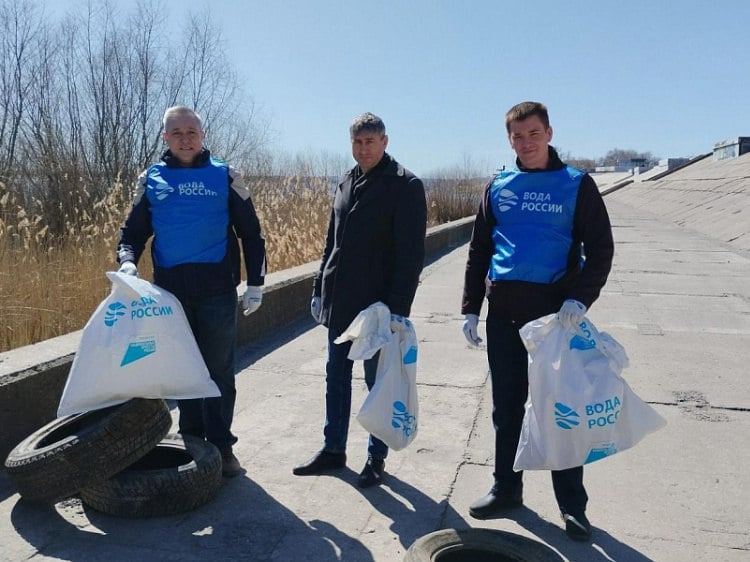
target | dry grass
[
  {"x": 50, "y": 286},
  {"x": 294, "y": 215}
]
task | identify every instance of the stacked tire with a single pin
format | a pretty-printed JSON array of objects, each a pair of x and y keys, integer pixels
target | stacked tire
[{"x": 121, "y": 460}]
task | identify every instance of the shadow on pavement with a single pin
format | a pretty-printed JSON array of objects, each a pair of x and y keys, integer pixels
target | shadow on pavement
[
  {"x": 603, "y": 548},
  {"x": 248, "y": 354},
  {"x": 6, "y": 488},
  {"x": 242, "y": 523},
  {"x": 413, "y": 513}
]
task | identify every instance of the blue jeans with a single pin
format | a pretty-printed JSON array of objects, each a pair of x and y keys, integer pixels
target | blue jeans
[
  {"x": 213, "y": 321},
  {"x": 509, "y": 371},
  {"x": 339, "y": 399}
]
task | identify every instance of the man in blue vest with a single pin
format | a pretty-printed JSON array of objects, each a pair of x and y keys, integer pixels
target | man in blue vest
[
  {"x": 196, "y": 207},
  {"x": 542, "y": 244}
]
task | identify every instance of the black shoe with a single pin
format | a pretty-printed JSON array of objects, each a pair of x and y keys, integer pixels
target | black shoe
[
  {"x": 320, "y": 462},
  {"x": 372, "y": 473},
  {"x": 495, "y": 502},
  {"x": 577, "y": 527},
  {"x": 230, "y": 465}
]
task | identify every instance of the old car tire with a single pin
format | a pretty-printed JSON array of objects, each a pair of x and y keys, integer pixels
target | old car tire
[
  {"x": 74, "y": 451},
  {"x": 479, "y": 544},
  {"x": 179, "y": 474}
]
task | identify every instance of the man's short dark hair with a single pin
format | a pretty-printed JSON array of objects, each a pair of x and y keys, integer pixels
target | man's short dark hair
[
  {"x": 524, "y": 110},
  {"x": 366, "y": 123}
]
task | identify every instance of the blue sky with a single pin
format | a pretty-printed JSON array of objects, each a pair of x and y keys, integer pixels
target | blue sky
[{"x": 670, "y": 78}]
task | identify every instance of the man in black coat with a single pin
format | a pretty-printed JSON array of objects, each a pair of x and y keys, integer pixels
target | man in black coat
[{"x": 374, "y": 252}]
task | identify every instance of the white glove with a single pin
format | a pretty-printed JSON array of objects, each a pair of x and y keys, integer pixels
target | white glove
[
  {"x": 315, "y": 309},
  {"x": 128, "y": 268},
  {"x": 398, "y": 323},
  {"x": 471, "y": 323},
  {"x": 251, "y": 299},
  {"x": 571, "y": 313}
]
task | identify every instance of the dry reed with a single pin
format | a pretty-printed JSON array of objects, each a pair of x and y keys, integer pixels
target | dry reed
[{"x": 50, "y": 285}]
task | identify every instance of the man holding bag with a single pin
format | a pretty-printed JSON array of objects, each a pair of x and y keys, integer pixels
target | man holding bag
[
  {"x": 374, "y": 251},
  {"x": 196, "y": 207},
  {"x": 542, "y": 243}
]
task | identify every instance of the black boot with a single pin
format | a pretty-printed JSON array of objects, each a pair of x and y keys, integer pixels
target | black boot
[
  {"x": 496, "y": 501},
  {"x": 577, "y": 526},
  {"x": 321, "y": 462},
  {"x": 372, "y": 473}
]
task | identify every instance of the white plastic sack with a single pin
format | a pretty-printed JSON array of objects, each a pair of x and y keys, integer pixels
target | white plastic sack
[
  {"x": 368, "y": 332},
  {"x": 579, "y": 409},
  {"x": 391, "y": 410},
  {"x": 137, "y": 344}
]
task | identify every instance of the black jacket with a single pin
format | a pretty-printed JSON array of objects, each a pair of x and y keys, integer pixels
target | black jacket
[
  {"x": 524, "y": 301},
  {"x": 374, "y": 248}
]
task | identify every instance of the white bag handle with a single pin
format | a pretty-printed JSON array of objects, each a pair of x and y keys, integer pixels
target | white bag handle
[
  {"x": 603, "y": 342},
  {"x": 541, "y": 327},
  {"x": 134, "y": 286}
]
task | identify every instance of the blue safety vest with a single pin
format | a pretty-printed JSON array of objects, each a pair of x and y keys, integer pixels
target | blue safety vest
[
  {"x": 534, "y": 214},
  {"x": 190, "y": 212}
]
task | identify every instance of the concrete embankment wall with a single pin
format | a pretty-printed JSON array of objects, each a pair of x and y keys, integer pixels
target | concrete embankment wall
[
  {"x": 32, "y": 378},
  {"x": 709, "y": 196}
]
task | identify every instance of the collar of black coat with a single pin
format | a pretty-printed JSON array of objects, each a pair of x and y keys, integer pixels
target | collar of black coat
[
  {"x": 386, "y": 167},
  {"x": 554, "y": 162},
  {"x": 201, "y": 158}
]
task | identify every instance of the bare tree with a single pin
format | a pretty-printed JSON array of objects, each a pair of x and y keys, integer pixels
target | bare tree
[
  {"x": 616, "y": 155},
  {"x": 81, "y": 100},
  {"x": 585, "y": 164},
  {"x": 234, "y": 129},
  {"x": 19, "y": 28},
  {"x": 152, "y": 82},
  {"x": 454, "y": 192}
]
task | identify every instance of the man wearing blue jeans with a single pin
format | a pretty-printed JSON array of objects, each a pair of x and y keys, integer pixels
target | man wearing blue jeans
[
  {"x": 542, "y": 244},
  {"x": 339, "y": 398},
  {"x": 374, "y": 251}
]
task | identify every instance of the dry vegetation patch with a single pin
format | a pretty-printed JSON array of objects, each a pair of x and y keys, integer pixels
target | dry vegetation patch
[{"x": 50, "y": 284}]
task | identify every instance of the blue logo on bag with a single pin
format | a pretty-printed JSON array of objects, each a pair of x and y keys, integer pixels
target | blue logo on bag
[
  {"x": 138, "y": 350},
  {"x": 411, "y": 355},
  {"x": 599, "y": 453},
  {"x": 145, "y": 307},
  {"x": 579, "y": 342},
  {"x": 402, "y": 419},
  {"x": 566, "y": 417},
  {"x": 114, "y": 311}
]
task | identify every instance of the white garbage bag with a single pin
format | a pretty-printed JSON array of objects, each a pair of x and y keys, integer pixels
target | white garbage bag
[
  {"x": 369, "y": 331},
  {"x": 579, "y": 408},
  {"x": 391, "y": 409},
  {"x": 137, "y": 344}
]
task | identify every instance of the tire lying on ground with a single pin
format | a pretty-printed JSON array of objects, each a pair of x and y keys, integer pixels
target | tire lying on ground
[
  {"x": 181, "y": 473},
  {"x": 72, "y": 452},
  {"x": 460, "y": 545}
]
